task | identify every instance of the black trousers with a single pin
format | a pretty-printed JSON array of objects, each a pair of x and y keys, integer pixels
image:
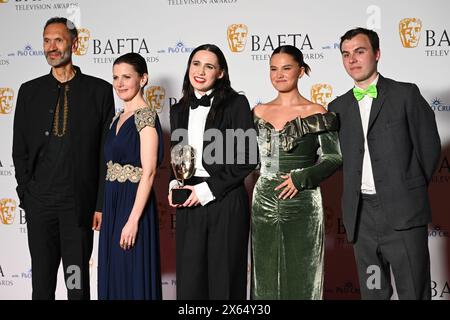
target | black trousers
[
  {"x": 379, "y": 247},
  {"x": 212, "y": 248},
  {"x": 54, "y": 235}
]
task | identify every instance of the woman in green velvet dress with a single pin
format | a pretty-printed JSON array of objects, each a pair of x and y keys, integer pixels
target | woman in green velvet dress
[{"x": 299, "y": 148}]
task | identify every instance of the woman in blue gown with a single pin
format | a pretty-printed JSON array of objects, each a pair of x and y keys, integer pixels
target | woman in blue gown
[{"x": 129, "y": 263}]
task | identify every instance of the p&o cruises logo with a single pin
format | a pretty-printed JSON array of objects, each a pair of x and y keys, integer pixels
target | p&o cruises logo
[
  {"x": 28, "y": 51},
  {"x": 437, "y": 105},
  {"x": 437, "y": 231},
  {"x": 179, "y": 47}
]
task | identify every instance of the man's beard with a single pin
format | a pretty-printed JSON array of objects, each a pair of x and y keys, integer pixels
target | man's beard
[{"x": 63, "y": 59}]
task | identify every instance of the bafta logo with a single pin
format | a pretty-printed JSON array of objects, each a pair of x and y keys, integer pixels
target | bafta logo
[
  {"x": 155, "y": 96},
  {"x": 6, "y": 100},
  {"x": 237, "y": 37},
  {"x": 321, "y": 93},
  {"x": 7, "y": 210},
  {"x": 83, "y": 41},
  {"x": 3, "y": 1},
  {"x": 409, "y": 30}
]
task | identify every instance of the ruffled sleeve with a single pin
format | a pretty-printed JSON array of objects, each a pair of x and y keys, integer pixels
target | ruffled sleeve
[
  {"x": 297, "y": 128},
  {"x": 320, "y": 122},
  {"x": 144, "y": 117}
]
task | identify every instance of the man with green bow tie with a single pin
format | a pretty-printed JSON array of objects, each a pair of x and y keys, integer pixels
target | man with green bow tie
[
  {"x": 370, "y": 91},
  {"x": 390, "y": 147}
]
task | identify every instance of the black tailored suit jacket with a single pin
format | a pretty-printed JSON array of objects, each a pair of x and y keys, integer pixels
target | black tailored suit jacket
[
  {"x": 91, "y": 106},
  {"x": 233, "y": 113},
  {"x": 404, "y": 149}
]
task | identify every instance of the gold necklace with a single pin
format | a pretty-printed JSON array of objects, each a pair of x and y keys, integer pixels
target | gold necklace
[{"x": 56, "y": 131}]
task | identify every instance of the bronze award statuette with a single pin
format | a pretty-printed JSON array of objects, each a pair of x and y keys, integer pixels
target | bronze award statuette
[{"x": 182, "y": 159}]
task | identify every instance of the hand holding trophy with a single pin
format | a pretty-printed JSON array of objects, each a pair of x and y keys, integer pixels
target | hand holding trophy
[{"x": 182, "y": 159}]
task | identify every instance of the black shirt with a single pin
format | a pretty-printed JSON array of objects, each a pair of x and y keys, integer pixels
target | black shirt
[{"x": 52, "y": 184}]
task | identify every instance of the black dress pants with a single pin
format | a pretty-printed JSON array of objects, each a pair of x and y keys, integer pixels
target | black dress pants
[
  {"x": 212, "y": 248},
  {"x": 379, "y": 248},
  {"x": 54, "y": 235}
]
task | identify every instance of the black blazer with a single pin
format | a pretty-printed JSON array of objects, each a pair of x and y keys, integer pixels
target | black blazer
[
  {"x": 89, "y": 120},
  {"x": 404, "y": 148},
  {"x": 233, "y": 113}
]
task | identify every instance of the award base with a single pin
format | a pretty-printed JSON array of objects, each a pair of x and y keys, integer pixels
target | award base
[{"x": 179, "y": 196}]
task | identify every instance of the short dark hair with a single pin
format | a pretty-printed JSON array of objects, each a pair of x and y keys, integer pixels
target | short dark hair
[
  {"x": 372, "y": 35},
  {"x": 135, "y": 60},
  {"x": 69, "y": 25},
  {"x": 295, "y": 53}
]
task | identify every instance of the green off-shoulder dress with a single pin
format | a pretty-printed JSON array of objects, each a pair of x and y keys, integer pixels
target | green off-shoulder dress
[{"x": 288, "y": 235}]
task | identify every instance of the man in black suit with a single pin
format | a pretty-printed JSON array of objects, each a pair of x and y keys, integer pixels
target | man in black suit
[
  {"x": 390, "y": 147},
  {"x": 59, "y": 126}
]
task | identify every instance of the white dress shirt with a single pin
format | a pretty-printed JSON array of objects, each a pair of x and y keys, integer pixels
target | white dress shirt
[
  {"x": 196, "y": 129},
  {"x": 367, "y": 181}
]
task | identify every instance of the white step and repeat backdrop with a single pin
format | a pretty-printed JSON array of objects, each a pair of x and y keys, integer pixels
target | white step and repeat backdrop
[{"x": 166, "y": 31}]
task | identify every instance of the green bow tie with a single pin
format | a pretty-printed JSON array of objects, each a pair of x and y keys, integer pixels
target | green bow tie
[{"x": 371, "y": 91}]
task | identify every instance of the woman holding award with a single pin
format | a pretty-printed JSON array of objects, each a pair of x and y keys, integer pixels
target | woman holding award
[
  {"x": 213, "y": 222},
  {"x": 129, "y": 264}
]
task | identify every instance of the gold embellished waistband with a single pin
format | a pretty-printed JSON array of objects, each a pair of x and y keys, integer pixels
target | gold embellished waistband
[{"x": 122, "y": 173}]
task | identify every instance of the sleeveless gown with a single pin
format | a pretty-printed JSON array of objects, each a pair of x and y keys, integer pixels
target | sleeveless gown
[
  {"x": 288, "y": 235},
  {"x": 134, "y": 273}
]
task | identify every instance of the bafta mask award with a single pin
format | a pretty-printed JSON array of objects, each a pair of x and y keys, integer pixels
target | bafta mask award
[{"x": 182, "y": 159}]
